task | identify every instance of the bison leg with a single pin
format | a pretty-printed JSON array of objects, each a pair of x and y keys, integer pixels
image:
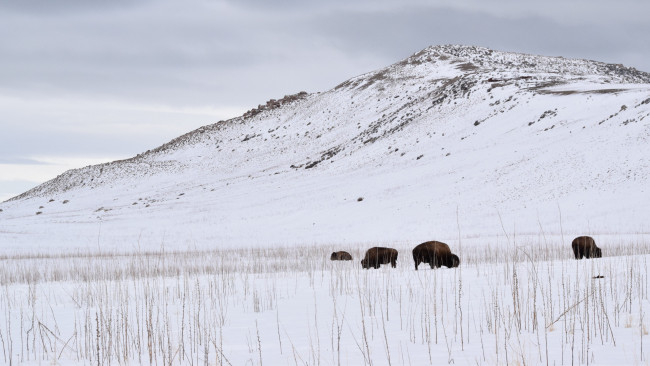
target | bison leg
[
  {"x": 576, "y": 252},
  {"x": 417, "y": 263}
]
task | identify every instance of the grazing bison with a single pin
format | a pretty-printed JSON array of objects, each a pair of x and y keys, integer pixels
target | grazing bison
[
  {"x": 436, "y": 254},
  {"x": 377, "y": 256},
  {"x": 341, "y": 256},
  {"x": 585, "y": 246}
]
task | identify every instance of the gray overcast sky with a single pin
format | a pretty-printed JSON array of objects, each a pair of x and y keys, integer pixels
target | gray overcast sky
[{"x": 87, "y": 81}]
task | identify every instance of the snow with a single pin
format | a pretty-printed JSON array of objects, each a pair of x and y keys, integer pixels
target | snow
[
  {"x": 527, "y": 138},
  {"x": 506, "y": 304},
  {"x": 214, "y": 248}
]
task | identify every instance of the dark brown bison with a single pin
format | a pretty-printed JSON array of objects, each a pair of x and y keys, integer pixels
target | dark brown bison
[
  {"x": 341, "y": 256},
  {"x": 377, "y": 256},
  {"x": 585, "y": 246},
  {"x": 436, "y": 254}
]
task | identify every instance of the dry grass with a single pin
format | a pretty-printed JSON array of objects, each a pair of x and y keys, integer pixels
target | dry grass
[{"x": 507, "y": 304}]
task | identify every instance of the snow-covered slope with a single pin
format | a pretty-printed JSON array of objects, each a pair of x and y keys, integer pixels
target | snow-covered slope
[{"x": 451, "y": 136}]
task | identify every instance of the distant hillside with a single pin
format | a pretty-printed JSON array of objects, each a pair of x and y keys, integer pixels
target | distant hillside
[{"x": 401, "y": 153}]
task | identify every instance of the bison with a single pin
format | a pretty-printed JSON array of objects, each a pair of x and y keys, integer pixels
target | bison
[
  {"x": 341, "y": 256},
  {"x": 585, "y": 246},
  {"x": 377, "y": 256},
  {"x": 436, "y": 254}
]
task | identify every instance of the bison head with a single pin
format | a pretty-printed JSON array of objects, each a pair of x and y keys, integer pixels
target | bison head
[
  {"x": 364, "y": 263},
  {"x": 598, "y": 253},
  {"x": 455, "y": 261},
  {"x": 333, "y": 257}
]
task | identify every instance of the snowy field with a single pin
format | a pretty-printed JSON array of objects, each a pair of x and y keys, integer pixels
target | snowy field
[
  {"x": 213, "y": 249},
  {"x": 511, "y": 302}
]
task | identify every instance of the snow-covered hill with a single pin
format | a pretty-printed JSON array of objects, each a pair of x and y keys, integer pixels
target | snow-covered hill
[{"x": 451, "y": 136}]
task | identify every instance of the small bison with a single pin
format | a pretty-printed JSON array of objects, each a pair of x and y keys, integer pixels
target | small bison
[
  {"x": 377, "y": 256},
  {"x": 341, "y": 256},
  {"x": 585, "y": 246},
  {"x": 436, "y": 254}
]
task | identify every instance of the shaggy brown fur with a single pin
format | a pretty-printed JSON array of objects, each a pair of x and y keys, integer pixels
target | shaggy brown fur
[
  {"x": 341, "y": 256},
  {"x": 585, "y": 246},
  {"x": 377, "y": 256},
  {"x": 436, "y": 254}
]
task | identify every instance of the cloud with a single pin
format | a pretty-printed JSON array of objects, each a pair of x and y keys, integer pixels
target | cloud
[
  {"x": 401, "y": 32},
  {"x": 601, "y": 12},
  {"x": 71, "y": 127},
  {"x": 55, "y": 8},
  {"x": 20, "y": 161}
]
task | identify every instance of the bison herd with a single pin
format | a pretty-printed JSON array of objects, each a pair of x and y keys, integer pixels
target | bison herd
[{"x": 438, "y": 254}]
